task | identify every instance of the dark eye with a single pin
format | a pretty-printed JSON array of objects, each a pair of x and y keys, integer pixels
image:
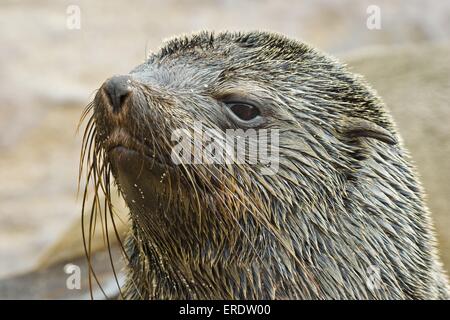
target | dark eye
[{"x": 243, "y": 111}]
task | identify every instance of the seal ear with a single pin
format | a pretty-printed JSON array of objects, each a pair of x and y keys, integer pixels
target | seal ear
[{"x": 357, "y": 127}]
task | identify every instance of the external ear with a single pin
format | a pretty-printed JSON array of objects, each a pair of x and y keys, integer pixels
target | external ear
[{"x": 357, "y": 127}]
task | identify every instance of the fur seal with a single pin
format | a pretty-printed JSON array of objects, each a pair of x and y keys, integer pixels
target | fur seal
[{"x": 342, "y": 218}]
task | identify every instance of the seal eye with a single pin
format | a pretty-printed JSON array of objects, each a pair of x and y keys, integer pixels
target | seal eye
[{"x": 244, "y": 111}]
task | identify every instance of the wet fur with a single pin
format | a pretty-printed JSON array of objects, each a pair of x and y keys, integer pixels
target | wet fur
[{"x": 344, "y": 199}]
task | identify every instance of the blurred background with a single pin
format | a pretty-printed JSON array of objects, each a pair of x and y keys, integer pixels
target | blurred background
[{"x": 50, "y": 71}]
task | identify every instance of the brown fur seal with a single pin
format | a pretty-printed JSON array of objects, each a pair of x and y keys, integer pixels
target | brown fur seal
[{"x": 343, "y": 206}]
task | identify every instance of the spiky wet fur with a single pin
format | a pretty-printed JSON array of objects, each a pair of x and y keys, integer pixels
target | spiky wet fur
[{"x": 338, "y": 206}]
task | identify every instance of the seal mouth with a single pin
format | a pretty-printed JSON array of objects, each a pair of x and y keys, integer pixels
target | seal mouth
[{"x": 121, "y": 141}]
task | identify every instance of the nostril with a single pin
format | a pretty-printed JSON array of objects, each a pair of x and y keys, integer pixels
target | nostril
[
  {"x": 122, "y": 99},
  {"x": 118, "y": 89}
]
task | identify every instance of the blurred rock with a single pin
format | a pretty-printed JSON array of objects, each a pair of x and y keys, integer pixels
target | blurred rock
[{"x": 51, "y": 282}]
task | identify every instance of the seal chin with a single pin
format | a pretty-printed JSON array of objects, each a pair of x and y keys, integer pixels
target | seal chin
[
  {"x": 133, "y": 163},
  {"x": 141, "y": 178}
]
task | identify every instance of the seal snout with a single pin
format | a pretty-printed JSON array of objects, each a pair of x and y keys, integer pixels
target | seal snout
[{"x": 118, "y": 89}]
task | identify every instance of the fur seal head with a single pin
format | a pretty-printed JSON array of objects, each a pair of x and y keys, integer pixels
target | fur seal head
[{"x": 342, "y": 202}]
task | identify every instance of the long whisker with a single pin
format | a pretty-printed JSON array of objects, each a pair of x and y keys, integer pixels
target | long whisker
[{"x": 97, "y": 171}]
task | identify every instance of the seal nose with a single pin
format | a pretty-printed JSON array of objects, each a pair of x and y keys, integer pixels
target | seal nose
[{"x": 118, "y": 89}]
